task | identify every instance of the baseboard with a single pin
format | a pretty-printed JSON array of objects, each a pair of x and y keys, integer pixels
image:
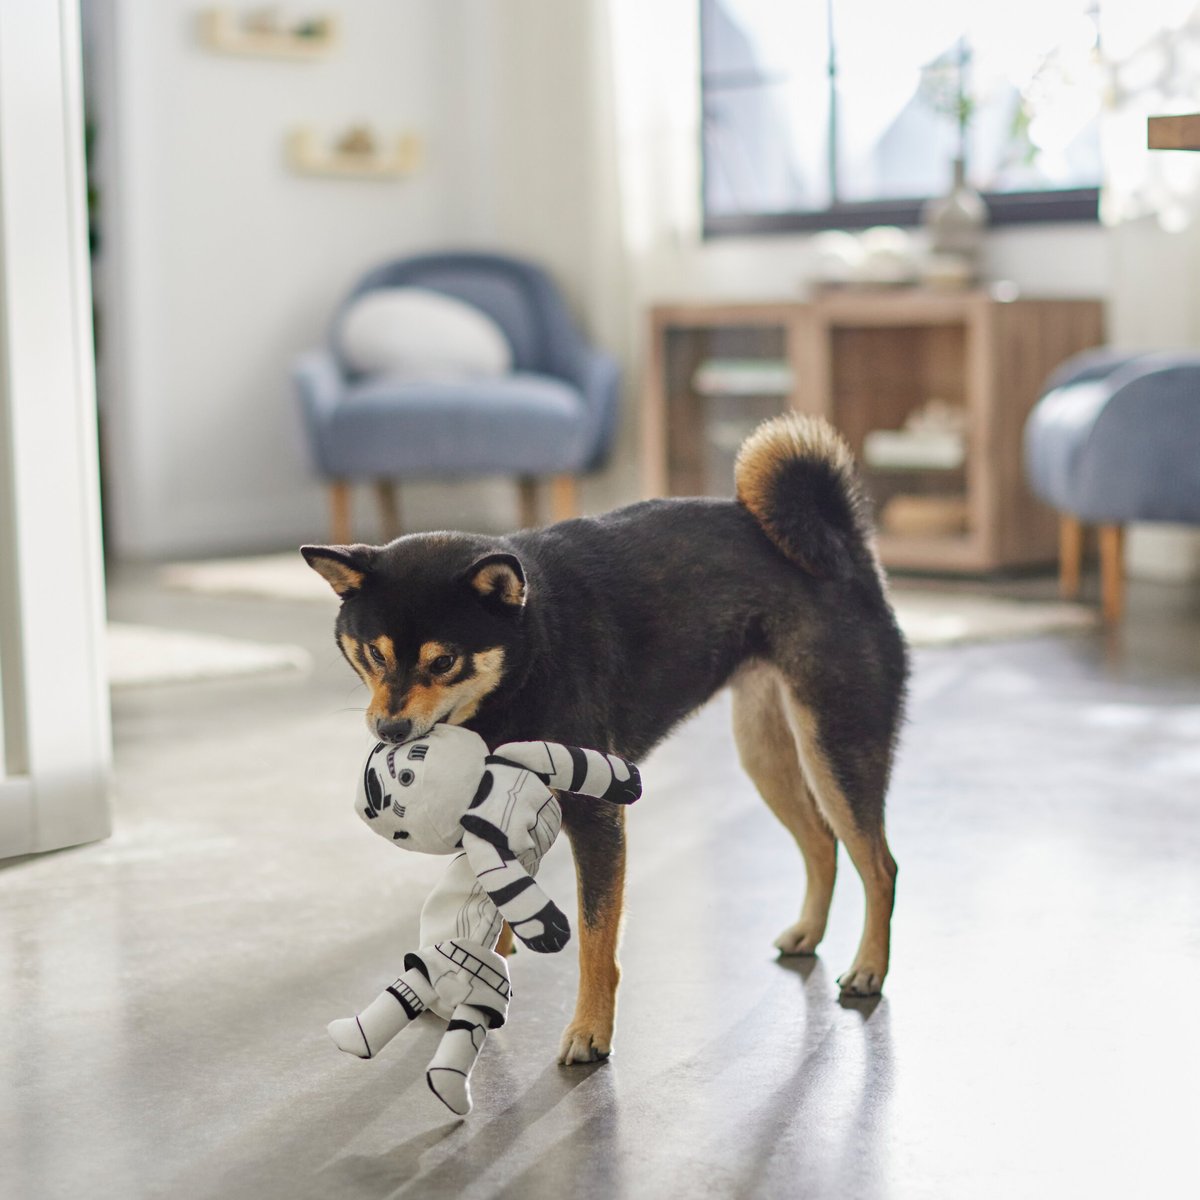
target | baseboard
[
  {"x": 248, "y": 526},
  {"x": 1163, "y": 553},
  {"x": 16, "y": 817}
]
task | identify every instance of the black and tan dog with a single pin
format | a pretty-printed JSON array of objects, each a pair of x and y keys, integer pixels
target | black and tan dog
[{"x": 607, "y": 632}]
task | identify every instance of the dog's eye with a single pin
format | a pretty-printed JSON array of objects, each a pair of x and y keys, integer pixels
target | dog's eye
[
  {"x": 442, "y": 664},
  {"x": 377, "y": 655}
]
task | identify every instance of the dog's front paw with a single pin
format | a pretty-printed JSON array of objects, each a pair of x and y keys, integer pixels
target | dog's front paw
[
  {"x": 585, "y": 1042},
  {"x": 863, "y": 979},
  {"x": 801, "y": 938}
]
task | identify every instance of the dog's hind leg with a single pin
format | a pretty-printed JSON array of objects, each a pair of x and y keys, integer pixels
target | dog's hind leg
[
  {"x": 767, "y": 749},
  {"x": 597, "y": 835},
  {"x": 848, "y": 778}
]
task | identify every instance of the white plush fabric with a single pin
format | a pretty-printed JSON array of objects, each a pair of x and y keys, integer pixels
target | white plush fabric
[{"x": 415, "y": 333}]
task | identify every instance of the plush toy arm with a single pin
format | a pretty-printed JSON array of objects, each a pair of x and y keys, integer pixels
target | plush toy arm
[
  {"x": 571, "y": 769},
  {"x": 534, "y": 917}
]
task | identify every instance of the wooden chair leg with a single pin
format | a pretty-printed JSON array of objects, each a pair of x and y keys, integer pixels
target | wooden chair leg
[
  {"x": 389, "y": 508},
  {"x": 1112, "y": 571},
  {"x": 527, "y": 502},
  {"x": 1070, "y": 555},
  {"x": 339, "y": 507},
  {"x": 564, "y": 497}
]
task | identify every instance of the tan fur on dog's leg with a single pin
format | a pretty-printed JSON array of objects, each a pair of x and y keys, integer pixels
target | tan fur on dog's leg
[
  {"x": 504, "y": 943},
  {"x": 768, "y": 753},
  {"x": 868, "y": 850},
  {"x": 600, "y": 865}
]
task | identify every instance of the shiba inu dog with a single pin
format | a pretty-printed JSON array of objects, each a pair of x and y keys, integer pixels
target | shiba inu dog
[{"x": 608, "y": 631}]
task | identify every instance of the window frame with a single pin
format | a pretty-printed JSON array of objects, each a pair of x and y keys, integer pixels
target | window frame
[{"x": 1004, "y": 208}]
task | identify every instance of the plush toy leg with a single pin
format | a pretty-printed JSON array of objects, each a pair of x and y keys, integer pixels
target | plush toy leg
[
  {"x": 449, "y": 1074},
  {"x": 366, "y": 1034}
]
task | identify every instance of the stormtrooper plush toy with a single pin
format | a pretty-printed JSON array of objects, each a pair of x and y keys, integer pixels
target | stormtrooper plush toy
[{"x": 444, "y": 793}]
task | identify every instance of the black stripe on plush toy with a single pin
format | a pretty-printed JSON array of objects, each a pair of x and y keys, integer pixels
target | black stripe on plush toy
[
  {"x": 579, "y": 768},
  {"x": 486, "y": 830},
  {"x": 410, "y": 1011},
  {"x": 483, "y": 791},
  {"x": 413, "y": 960},
  {"x": 500, "y": 760},
  {"x": 511, "y": 891},
  {"x": 494, "y": 1019}
]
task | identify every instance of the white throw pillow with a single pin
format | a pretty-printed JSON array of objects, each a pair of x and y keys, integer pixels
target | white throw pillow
[{"x": 421, "y": 334}]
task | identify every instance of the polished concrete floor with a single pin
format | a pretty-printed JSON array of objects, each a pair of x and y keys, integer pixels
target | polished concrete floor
[{"x": 166, "y": 992}]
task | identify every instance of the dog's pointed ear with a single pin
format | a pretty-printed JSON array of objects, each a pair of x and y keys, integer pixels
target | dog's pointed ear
[
  {"x": 343, "y": 567},
  {"x": 499, "y": 579}
]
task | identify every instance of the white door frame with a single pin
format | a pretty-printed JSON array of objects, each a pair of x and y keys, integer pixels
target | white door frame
[{"x": 56, "y": 759}]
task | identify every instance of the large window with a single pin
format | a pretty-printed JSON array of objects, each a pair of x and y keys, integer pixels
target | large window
[{"x": 848, "y": 113}]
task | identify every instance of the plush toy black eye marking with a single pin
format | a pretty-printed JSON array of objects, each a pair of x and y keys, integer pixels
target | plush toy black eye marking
[
  {"x": 377, "y": 798},
  {"x": 406, "y": 777}
]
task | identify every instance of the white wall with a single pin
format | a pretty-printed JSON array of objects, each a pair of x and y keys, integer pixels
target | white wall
[
  {"x": 219, "y": 264},
  {"x": 549, "y": 178}
]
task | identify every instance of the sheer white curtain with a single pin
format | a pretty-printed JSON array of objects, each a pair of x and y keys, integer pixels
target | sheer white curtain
[
  {"x": 654, "y": 58},
  {"x": 1151, "y": 52}
]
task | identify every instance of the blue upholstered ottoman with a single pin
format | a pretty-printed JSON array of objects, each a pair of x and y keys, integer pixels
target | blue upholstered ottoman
[{"x": 1116, "y": 438}]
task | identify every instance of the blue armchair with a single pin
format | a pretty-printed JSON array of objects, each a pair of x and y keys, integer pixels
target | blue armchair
[
  {"x": 553, "y": 417},
  {"x": 1115, "y": 438}
]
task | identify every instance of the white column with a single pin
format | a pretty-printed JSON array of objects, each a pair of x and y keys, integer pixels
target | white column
[{"x": 54, "y": 790}]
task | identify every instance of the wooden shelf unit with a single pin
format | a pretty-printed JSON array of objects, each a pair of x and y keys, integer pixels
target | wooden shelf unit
[{"x": 866, "y": 360}]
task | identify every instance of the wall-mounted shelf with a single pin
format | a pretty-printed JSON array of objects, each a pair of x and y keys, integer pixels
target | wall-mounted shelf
[
  {"x": 1174, "y": 133},
  {"x": 306, "y": 155},
  {"x": 221, "y": 32}
]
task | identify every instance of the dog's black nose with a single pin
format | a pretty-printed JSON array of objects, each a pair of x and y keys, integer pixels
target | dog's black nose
[{"x": 394, "y": 729}]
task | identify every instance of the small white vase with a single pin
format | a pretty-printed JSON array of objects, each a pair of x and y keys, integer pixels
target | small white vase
[{"x": 955, "y": 222}]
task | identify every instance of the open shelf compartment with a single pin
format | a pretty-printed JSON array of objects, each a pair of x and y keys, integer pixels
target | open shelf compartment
[{"x": 882, "y": 376}]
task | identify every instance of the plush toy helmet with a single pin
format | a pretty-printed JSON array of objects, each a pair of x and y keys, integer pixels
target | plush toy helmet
[{"x": 416, "y": 792}]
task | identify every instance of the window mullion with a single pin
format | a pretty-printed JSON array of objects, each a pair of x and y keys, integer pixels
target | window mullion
[{"x": 832, "y": 151}]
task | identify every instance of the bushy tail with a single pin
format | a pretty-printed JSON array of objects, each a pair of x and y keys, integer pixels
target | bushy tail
[{"x": 796, "y": 475}]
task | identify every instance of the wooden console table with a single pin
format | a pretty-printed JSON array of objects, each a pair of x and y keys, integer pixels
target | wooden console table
[{"x": 867, "y": 360}]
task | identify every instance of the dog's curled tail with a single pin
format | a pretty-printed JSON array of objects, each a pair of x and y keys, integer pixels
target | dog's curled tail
[{"x": 797, "y": 477}]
